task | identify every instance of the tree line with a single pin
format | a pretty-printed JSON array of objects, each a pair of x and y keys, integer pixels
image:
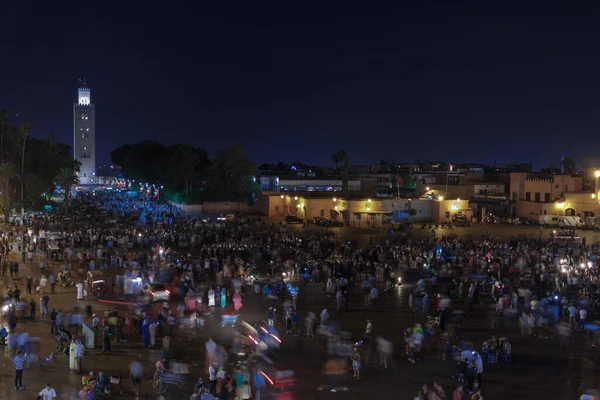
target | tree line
[
  {"x": 30, "y": 167},
  {"x": 187, "y": 173}
]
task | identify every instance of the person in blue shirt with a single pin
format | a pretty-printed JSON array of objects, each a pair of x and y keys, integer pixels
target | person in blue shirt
[
  {"x": 259, "y": 383},
  {"x": 18, "y": 360}
]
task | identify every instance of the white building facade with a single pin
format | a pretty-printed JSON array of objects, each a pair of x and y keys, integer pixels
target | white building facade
[{"x": 84, "y": 134}]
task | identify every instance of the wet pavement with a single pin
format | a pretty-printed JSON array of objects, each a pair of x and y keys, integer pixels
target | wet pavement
[{"x": 539, "y": 369}]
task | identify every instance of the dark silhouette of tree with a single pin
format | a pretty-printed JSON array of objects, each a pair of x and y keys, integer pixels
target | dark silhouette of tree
[
  {"x": 229, "y": 177},
  {"x": 8, "y": 171},
  {"x": 338, "y": 158},
  {"x": 568, "y": 165}
]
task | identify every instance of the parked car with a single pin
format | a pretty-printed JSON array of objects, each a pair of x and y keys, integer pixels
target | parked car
[
  {"x": 335, "y": 223},
  {"x": 292, "y": 219},
  {"x": 461, "y": 220},
  {"x": 328, "y": 223}
]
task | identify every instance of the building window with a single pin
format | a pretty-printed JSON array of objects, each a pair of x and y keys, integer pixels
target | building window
[
  {"x": 514, "y": 196},
  {"x": 276, "y": 209},
  {"x": 84, "y": 175},
  {"x": 322, "y": 213},
  {"x": 83, "y": 135},
  {"x": 537, "y": 196},
  {"x": 447, "y": 214},
  {"x": 547, "y": 197},
  {"x": 528, "y": 196}
]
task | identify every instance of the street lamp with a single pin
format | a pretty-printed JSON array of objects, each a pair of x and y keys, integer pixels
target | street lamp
[
  {"x": 441, "y": 198},
  {"x": 334, "y": 199},
  {"x": 368, "y": 200},
  {"x": 282, "y": 196},
  {"x": 597, "y": 174},
  {"x": 296, "y": 198}
]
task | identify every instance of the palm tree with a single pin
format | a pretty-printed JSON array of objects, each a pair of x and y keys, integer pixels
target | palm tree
[
  {"x": 8, "y": 171},
  {"x": 25, "y": 129},
  {"x": 337, "y": 158},
  {"x": 3, "y": 120},
  {"x": 67, "y": 178}
]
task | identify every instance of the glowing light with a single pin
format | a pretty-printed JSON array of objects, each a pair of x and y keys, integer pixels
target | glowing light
[
  {"x": 335, "y": 208},
  {"x": 597, "y": 174},
  {"x": 593, "y": 195},
  {"x": 334, "y": 199},
  {"x": 282, "y": 196},
  {"x": 427, "y": 188},
  {"x": 457, "y": 199},
  {"x": 368, "y": 200},
  {"x": 295, "y": 197},
  {"x": 266, "y": 377},
  {"x": 441, "y": 198},
  {"x": 276, "y": 338},
  {"x": 368, "y": 208}
]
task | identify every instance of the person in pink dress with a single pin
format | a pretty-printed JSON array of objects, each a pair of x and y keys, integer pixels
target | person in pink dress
[
  {"x": 190, "y": 299},
  {"x": 237, "y": 301}
]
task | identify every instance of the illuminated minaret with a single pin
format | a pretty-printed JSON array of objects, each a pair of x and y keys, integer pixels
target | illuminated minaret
[{"x": 84, "y": 134}]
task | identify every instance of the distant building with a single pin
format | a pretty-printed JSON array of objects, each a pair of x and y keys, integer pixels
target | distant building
[
  {"x": 532, "y": 195},
  {"x": 365, "y": 212},
  {"x": 317, "y": 185},
  {"x": 108, "y": 174},
  {"x": 84, "y": 134}
]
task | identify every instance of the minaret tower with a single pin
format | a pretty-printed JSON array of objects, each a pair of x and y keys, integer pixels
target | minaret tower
[{"x": 84, "y": 134}]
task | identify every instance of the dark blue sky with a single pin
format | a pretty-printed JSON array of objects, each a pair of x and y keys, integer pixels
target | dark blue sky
[{"x": 297, "y": 80}]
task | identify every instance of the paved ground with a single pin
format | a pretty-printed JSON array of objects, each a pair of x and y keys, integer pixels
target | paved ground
[{"x": 539, "y": 369}]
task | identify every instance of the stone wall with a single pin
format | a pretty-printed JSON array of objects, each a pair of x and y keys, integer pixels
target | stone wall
[{"x": 260, "y": 207}]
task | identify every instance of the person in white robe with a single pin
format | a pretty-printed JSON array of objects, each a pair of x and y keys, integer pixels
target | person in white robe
[
  {"x": 211, "y": 298},
  {"x": 79, "y": 287}
]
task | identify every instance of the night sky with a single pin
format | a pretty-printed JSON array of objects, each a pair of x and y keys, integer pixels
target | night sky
[{"x": 297, "y": 80}]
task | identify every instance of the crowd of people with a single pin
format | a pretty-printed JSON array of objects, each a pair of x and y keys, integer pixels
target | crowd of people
[{"x": 548, "y": 289}]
